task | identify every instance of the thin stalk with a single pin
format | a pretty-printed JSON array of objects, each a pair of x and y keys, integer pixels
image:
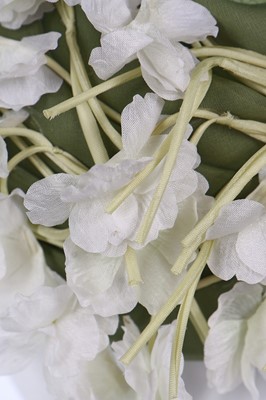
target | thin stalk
[
  {"x": 58, "y": 69},
  {"x": 177, "y": 346},
  {"x": 93, "y": 92},
  {"x": 133, "y": 273},
  {"x": 198, "y": 321},
  {"x": 192, "y": 275}
]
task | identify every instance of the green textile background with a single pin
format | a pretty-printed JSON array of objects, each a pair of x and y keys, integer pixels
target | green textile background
[{"x": 222, "y": 150}]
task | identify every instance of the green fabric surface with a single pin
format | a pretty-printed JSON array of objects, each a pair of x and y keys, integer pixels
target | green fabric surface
[{"x": 222, "y": 150}]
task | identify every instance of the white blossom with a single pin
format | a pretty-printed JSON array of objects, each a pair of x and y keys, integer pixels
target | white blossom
[
  {"x": 102, "y": 282},
  {"x": 22, "y": 264},
  {"x": 235, "y": 345},
  {"x": 24, "y": 77},
  {"x": 15, "y": 13},
  {"x": 240, "y": 245},
  {"x": 84, "y": 198},
  {"x": 7, "y": 120},
  {"x": 148, "y": 373},
  {"x": 51, "y": 323},
  {"x": 151, "y": 32}
]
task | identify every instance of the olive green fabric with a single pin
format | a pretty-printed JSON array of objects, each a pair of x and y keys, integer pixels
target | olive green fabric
[{"x": 222, "y": 150}]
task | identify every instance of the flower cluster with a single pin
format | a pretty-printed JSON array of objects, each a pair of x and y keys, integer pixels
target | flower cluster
[{"x": 139, "y": 227}]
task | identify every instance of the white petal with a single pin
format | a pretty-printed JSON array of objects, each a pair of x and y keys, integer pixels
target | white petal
[
  {"x": 111, "y": 15},
  {"x": 237, "y": 304},
  {"x": 88, "y": 274},
  {"x": 166, "y": 68},
  {"x": 79, "y": 337},
  {"x": 117, "y": 49},
  {"x": 251, "y": 246},
  {"x": 183, "y": 20},
  {"x": 43, "y": 200},
  {"x": 10, "y": 119},
  {"x": 224, "y": 261},
  {"x": 158, "y": 280},
  {"x": 18, "y": 350},
  {"x": 138, "y": 121},
  {"x": 37, "y": 311},
  {"x": 16, "y": 93},
  {"x": 3, "y": 159},
  {"x": 234, "y": 217},
  {"x": 120, "y": 298},
  {"x": 222, "y": 355}
]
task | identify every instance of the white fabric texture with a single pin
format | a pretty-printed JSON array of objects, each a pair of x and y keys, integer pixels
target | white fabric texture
[
  {"x": 240, "y": 233},
  {"x": 235, "y": 344},
  {"x": 24, "y": 78},
  {"x": 84, "y": 198},
  {"x": 150, "y": 31}
]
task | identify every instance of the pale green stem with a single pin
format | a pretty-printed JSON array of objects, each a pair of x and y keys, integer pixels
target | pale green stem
[
  {"x": 199, "y": 132},
  {"x": 133, "y": 273},
  {"x": 192, "y": 275},
  {"x": 176, "y": 353},
  {"x": 255, "y": 86},
  {"x": 198, "y": 320},
  {"x": 228, "y": 194},
  {"x": 68, "y": 16},
  {"x": 93, "y": 92},
  {"x": 111, "y": 113},
  {"x": 58, "y": 69},
  {"x": 249, "y": 57},
  {"x": 88, "y": 124},
  {"x": 53, "y": 236},
  {"x": 35, "y": 160},
  {"x": 35, "y": 137},
  {"x": 139, "y": 178},
  {"x": 208, "y": 281},
  {"x": 194, "y": 95},
  {"x": 254, "y": 129}
]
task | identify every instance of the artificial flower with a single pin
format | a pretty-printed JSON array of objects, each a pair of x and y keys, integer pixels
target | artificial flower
[
  {"x": 50, "y": 322},
  {"x": 235, "y": 345},
  {"x": 102, "y": 283},
  {"x": 7, "y": 120},
  {"x": 150, "y": 32},
  {"x": 22, "y": 268},
  {"x": 84, "y": 198},
  {"x": 148, "y": 373},
  {"x": 15, "y": 13},
  {"x": 240, "y": 239},
  {"x": 24, "y": 77}
]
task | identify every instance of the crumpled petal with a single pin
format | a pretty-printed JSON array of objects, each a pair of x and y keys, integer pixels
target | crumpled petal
[
  {"x": 227, "y": 354},
  {"x": 182, "y": 20},
  {"x": 234, "y": 217},
  {"x": 111, "y": 15},
  {"x": 138, "y": 121},
  {"x": 251, "y": 246},
  {"x": 23, "y": 76},
  {"x": 117, "y": 49},
  {"x": 43, "y": 200},
  {"x": 14, "y": 13},
  {"x": 78, "y": 337},
  {"x": 166, "y": 68}
]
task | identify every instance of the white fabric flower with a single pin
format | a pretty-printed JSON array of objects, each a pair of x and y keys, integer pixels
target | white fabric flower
[
  {"x": 148, "y": 373},
  {"x": 152, "y": 34},
  {"x": 15, "y": 13},
  {"x": 240, "y": 245},
  {"x": 84, "y": 198},
  {"x": 23, "y": 76},
  {"x": 7, "y": 120},
  {"x": 235, "y": 345},
  {"x": 51, "y": 323},
  {"x": 102, "y": 282},
  {"x": 22, "y": 263}
]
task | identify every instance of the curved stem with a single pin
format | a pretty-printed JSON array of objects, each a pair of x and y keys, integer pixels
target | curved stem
[{"x": 58, "y": 69}]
